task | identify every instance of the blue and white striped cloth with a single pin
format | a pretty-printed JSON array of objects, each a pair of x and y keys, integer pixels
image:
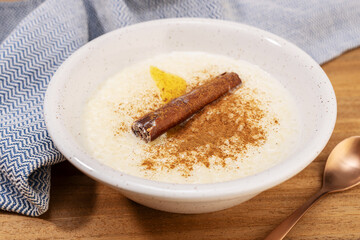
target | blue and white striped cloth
[{"x": 37, "y": 36}]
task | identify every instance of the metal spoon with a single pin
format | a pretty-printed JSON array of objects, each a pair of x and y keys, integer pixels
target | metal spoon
[{"x": 342, "y": 171}]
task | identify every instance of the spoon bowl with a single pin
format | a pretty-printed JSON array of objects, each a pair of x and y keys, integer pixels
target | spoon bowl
[{"x": 342, "y": 169}]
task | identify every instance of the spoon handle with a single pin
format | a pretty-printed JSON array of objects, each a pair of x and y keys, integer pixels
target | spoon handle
[{"x": 280, "y": 231}]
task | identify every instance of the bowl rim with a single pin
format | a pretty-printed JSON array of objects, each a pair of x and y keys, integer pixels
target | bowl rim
[{"x": 252, "y": 184}]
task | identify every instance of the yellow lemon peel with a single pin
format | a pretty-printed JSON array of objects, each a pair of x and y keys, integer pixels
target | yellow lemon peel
[{"x": 170, "y": 85}]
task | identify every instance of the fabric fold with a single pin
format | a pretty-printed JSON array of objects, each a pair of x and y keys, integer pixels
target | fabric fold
[{"x": 29, "y": 56}]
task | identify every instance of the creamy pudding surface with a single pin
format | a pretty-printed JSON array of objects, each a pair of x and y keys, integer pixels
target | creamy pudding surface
[{"x": 242, "y": 133}]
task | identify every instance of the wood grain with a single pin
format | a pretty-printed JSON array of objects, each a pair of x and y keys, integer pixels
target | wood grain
[{"x": 81, "y": 208}]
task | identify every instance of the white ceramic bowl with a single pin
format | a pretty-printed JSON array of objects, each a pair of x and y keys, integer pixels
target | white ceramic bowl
[{"x": 93, "y": 63}]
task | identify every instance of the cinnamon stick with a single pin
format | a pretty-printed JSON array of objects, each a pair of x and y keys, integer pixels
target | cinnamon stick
[{"x": 155, "y": 123}]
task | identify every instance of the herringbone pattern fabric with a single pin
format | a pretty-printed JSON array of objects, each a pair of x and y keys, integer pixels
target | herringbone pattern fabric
[
  {"x": 37, "y": 46},
  {"x": 28, "y": 59}
]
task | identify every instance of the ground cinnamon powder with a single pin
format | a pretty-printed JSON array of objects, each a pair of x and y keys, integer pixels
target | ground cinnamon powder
[{"x": 217, "y": 134}]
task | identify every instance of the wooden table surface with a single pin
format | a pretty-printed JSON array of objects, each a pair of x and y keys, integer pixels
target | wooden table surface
[{"x": 81, "y": 208}]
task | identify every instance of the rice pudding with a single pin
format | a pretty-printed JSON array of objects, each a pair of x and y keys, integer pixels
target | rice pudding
[{"x": 244, "y": 132}]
